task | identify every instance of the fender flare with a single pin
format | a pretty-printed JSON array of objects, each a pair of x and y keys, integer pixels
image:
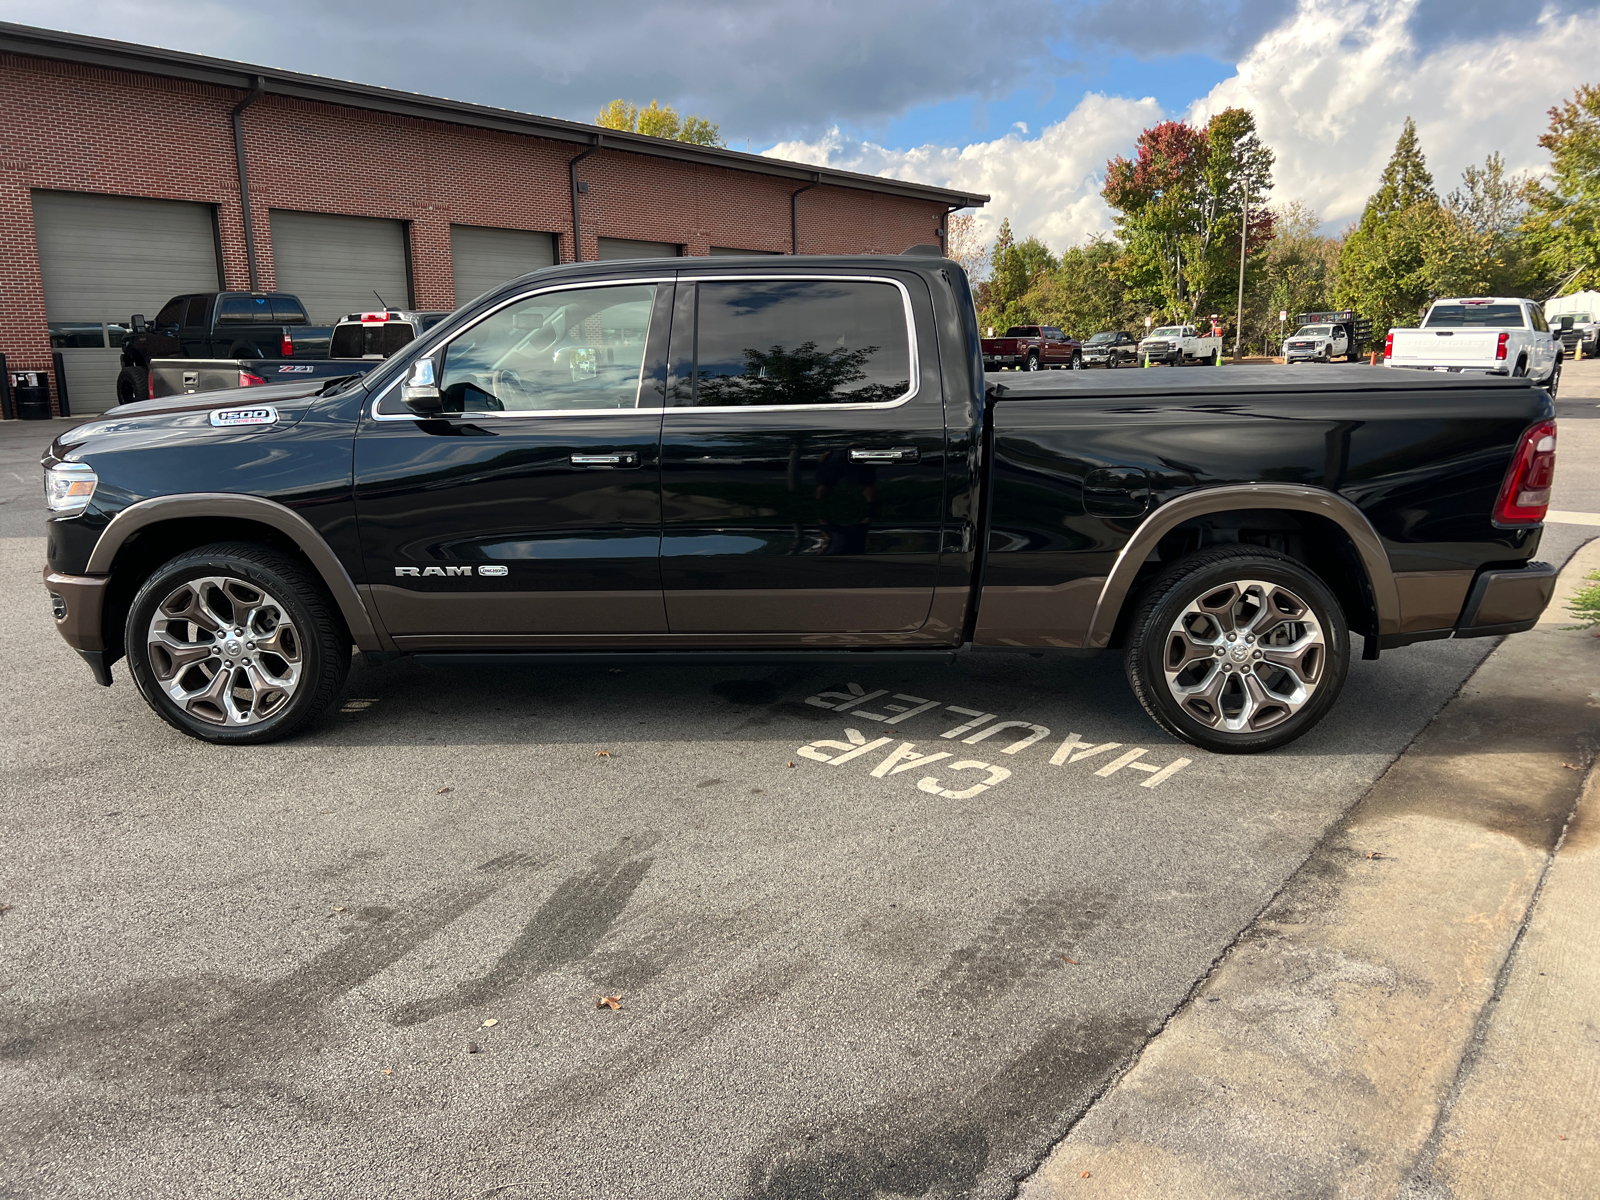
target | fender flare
[
  {"x": 1380, "y": 576},
  {"x": 249, "y": 508}
]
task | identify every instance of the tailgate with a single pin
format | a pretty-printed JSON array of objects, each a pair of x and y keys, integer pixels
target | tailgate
[
  {"x": 187, "y": 376},
  {"x": 1445, "y": 348}
]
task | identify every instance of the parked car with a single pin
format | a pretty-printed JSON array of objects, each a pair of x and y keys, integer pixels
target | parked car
[
  {"x": 1316, "y": 343},
  {"x": 1356, "y": 330},
  {"x": 218, "y": 325},
  {"x": 798, "y": 464},
  {"x": 1487, "y": 335},
  {"x": 1577, "y": 331},
  {"x": 1178, "y": 345},
  {"x": 1032, "y": 348},
  {"x": 359, "y": 341},
  {"x": 1110, "y": 349}
]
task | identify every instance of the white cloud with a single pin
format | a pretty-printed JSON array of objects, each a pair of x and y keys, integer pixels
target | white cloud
[
  {"x": 1332, "y": 86},
  {"x": 1048, "y": 185}
]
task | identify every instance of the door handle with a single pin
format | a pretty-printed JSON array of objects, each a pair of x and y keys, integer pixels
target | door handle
[
  {"x": 887, "y": 454},
  {"x": 605, "y": 460}
]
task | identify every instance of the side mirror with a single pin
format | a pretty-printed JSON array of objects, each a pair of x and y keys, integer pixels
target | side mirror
[
  {"x": 1566, "y": 324},
  {"x": 420, "y": 393},
  {"x": 138, "y": 323}
]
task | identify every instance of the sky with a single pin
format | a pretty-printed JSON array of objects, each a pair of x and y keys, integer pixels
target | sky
[{"x": 1025, "y": 100}]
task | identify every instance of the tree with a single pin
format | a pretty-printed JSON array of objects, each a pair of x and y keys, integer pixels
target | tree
[
  {"x": 1384, "y": 268},
  {"x": 1297, "y": 275},
  {"x": 1014, "y": 268},
  {"x": 656, "y": 120},
  {"x": 964, "y": 245},
  {"x": 1478, "y": 249},
  {"x": 1180, "y": 205},
  {"x": 1563, "y": 223}
]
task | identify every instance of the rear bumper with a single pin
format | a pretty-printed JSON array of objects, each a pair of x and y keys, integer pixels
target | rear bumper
[
  {"x": 78, "y": 604},
  {"x": 1509, "y": 601}
]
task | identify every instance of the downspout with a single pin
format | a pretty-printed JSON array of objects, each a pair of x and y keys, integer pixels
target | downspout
[
  {"x": 572, "y": 179},
  {"x": 256, "y": 93},
  {"x": 794, "y": 213}
]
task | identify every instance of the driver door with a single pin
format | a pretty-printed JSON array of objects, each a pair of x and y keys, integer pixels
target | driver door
[{"x": 530, "y": 508}]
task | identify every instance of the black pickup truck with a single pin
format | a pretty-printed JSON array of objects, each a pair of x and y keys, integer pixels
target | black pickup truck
[
  {"x": 212, "y": 325},
  {"x": 796, "y": 461}
]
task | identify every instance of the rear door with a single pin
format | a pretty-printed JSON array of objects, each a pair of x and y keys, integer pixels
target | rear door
[
  {"x": 802, "y": 455},
  {"x": 531, "y": 508}
]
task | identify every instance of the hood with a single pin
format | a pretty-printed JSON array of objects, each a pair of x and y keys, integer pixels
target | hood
[{"x": 189, "y": 417}]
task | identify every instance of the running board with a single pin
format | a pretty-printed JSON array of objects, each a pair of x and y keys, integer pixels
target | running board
[{"x": 705, "y": 658}]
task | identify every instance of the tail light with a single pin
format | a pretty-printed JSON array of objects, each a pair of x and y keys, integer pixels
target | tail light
[
  {"x": 287, "y": 348},
  {"x": 1525, "y": 495},
  {"x": 1500, "y": 356},
  {"x": 1388, "y": 345},
  {"x": 246, "y": 379}
]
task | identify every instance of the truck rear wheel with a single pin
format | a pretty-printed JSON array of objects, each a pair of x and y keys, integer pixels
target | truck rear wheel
[
  {"x": 1237, "y": 650},
  {"x": 133, "y": 383},
  {"x": 236, "y": 644},
  {"x": 1033, "y": 363}
]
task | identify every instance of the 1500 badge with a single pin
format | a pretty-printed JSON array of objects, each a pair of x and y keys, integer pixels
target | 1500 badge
[
  {"x": 447, "y": 572},
  {"x": 224, "y": 418}
]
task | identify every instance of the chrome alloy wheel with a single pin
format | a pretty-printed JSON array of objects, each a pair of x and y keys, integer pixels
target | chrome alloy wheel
[
  {"x": 1245, "y": 656},
  {"x": 225, "y": 651}
]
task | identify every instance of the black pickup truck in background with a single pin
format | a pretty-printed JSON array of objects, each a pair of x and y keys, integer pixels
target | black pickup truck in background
[
  {"x": 360, "y": 342},
  {"x": 213, "y": 325},
  {"x": 796, "y": 461}
]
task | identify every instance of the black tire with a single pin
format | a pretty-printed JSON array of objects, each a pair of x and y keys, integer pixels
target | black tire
[
  {"x": 317, "y": 655},
  {"x": 1201, "y": 582},
  {"x": 1033, "y": 363},
  {"x": 1553, "y": 383},
  {"x": 1077, "y": 362},
  {"x": 133, "y": 383}
]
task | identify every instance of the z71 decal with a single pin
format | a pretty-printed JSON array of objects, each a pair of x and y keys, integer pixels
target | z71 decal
[{"x": 296, "y": 369}]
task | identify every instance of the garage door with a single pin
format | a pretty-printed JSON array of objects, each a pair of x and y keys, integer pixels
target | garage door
[
  {"x": 486, "y": 258},
  {"x": 335, "y": 264},
  {"x": 104, "y": 258},
  {"x": 624, "y": 248}
]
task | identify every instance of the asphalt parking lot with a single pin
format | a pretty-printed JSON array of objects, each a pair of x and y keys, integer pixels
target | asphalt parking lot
[{"x": 261, "y": 971}]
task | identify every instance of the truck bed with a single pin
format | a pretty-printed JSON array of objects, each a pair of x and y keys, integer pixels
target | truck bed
[{"x": 186, "y": 376}]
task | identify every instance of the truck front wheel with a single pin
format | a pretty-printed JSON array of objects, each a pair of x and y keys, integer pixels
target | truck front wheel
[
  {"x": 236, "y": 643},
  {"x": 1238, "y": 649},
  {"x": 133, "y": 383},
  {"x": 1033, "y": 362}
]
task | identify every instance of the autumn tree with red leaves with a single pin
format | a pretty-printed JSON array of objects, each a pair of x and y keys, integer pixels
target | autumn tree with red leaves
[{"x": 1180, "y": 205}]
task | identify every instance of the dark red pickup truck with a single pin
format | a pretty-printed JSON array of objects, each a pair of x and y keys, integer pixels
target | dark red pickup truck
[{"x": 1032, "y": 348}]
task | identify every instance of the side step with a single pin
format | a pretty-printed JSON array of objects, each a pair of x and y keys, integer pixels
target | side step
[{"x": 704, "y": 658}]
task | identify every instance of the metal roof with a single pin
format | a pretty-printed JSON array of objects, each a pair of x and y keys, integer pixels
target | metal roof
[{"x": 172, "y": 64}]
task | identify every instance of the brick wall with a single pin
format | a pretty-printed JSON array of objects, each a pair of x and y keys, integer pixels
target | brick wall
[{"x": 89, "y": 129}]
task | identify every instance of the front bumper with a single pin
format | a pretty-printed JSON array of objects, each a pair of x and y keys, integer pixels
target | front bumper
[
  {"x": 1509, "y": 601},
  {"x": 78, "y": 604}
]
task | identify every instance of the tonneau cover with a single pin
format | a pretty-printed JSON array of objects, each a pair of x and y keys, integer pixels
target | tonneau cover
[{"x": 1230, "y": 381}]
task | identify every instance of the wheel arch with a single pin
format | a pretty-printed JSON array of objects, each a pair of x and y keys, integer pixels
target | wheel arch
[
  {"x": 146, "y": 534},
  {"x": 1377, "y": 605}
]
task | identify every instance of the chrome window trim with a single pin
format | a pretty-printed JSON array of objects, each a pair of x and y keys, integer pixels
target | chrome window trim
[
  {"x": 378, "y": 415},
  {"x": 878, "y": 406}
]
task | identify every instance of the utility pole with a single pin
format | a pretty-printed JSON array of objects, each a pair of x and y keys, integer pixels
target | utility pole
[{"x": 1244, "y": 238}]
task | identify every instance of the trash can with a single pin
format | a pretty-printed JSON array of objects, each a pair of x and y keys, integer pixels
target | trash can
[{"x": 30, "y": 393}]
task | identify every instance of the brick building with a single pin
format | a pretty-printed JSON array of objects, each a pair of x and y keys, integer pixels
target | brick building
[{"x": 122, "y": 168}]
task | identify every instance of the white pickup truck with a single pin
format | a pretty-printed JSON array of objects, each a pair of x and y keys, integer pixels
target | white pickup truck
[
  {"x": 1178, "y": 344},
  {"x": 1490, "y": 335},
  {"x": 1316, "y": 343}
]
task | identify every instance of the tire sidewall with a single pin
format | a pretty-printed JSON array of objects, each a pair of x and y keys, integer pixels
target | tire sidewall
[
  {"x": 1148, "y": 648},
  {"x": 316, "y": 657}
]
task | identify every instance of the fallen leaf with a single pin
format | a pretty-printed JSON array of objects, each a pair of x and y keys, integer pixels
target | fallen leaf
[
  {"x": 1073, "y": 961},
  {"x": 602, "y": 754},
  {"x": 443, "y": 790},
  {"x": 611, "y": 1002},
  {"x": 791, "y": 763},
  {"x": 1563, "y": 1137},
  {"x": 473, "y": 1047},
  {"x": 338, "y": 908},
  {"x": 1373, "y": 854},
  {"x": 388, "y": 1070},
  {"x": 1085, "y": 1175},
  {"x": 5, "y": 908},
  {"x": 1570, "y": 767},
  {"x": 491, "y": 1022}
]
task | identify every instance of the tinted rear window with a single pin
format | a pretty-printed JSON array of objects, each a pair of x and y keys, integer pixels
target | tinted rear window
[
  {"x": 1475, "y": 316},
  {"x": 1023, "y": 331},
  {"x": 801, "y": 342},
  {"x": 360, "y": 341},
  {"x": 172, "y": 313},
  {"x": 246, "y": 308},
  {"x": 287, "y": 311},
  {"x": 199, "y": 313}
]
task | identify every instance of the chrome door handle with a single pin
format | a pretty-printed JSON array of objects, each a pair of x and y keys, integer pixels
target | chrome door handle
[
  {"x": 605, "y": 460},
  {"x": 888, "y": 454}
]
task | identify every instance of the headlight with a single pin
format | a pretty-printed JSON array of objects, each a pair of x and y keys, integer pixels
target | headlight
[{"x": 68, "y": 488}]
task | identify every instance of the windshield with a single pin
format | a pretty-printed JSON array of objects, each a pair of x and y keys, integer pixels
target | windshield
[
  {"x": 1315, "y": 331},
  {"x": 1475, "y": 316},
  {"x": 1101, "y": 338},
  {"x": 1023, "y": 331},
  {"x": 1168, "y": 331}
]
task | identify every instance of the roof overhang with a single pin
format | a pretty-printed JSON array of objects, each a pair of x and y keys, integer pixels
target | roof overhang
[{"x": 172, "y": 64}]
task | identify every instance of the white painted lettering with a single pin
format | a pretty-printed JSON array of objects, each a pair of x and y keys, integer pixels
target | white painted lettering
[
  {"x": 906, "y": 757},
  {"x": 1122, "y": 760},
  {"x": 1039, "y": 731},
  {"x": 933, "y": 786},
  {"x": 1165, "y": 773},
  {"x": 978, "y": 718}
]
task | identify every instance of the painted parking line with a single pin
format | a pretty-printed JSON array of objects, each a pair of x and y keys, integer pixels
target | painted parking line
[
  {"x": 1573, "y": 518},
  {"x": 978, "y": 727}
]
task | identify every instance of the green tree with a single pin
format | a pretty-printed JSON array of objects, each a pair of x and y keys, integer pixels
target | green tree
[
  {"x": 1086, "y": 293},
  {"x": 1384, "y": 265},
  {"x": 1014, "y": 268},
  {"x": 1181, "y": 204},
  {"x": 1478, "y": 248},
  {"x": 1563, "y": 222},
  {"x": 1298, "y": 274},
  {"x": 656, "y": 120}
]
